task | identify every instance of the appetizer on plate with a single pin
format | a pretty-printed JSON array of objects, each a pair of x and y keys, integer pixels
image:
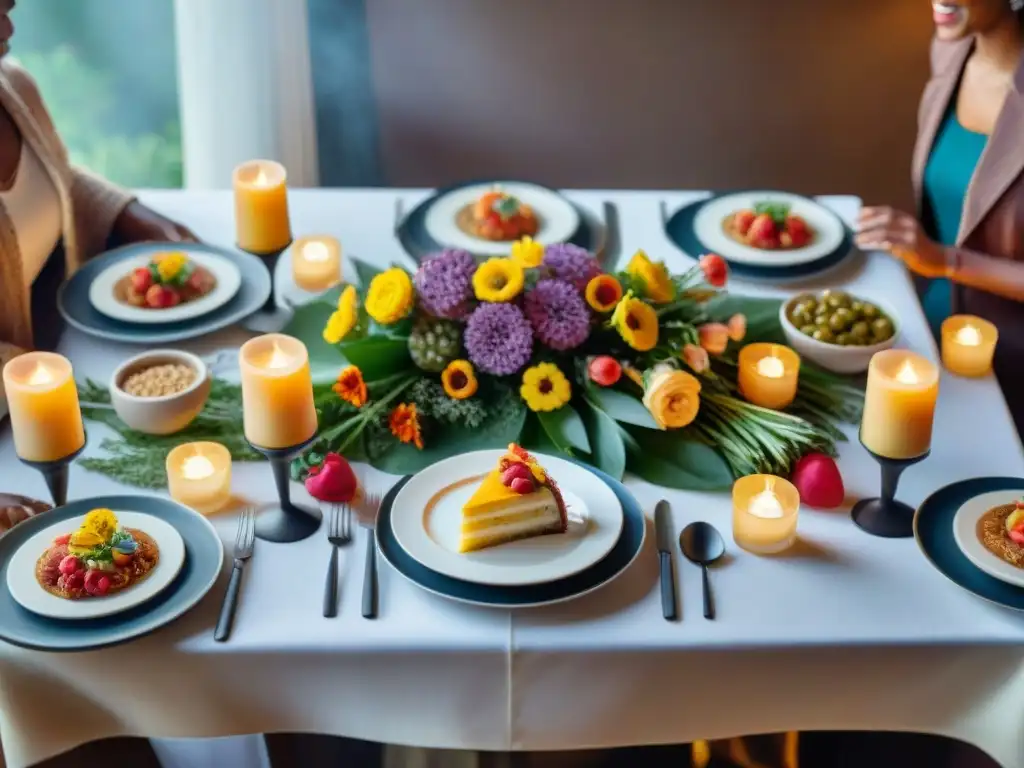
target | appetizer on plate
[
  {"x": 770, "y": 226},
  {"x": 170, "y": 279},
  {"x": 97, "y": 560},
  {"x": 1001, "y": 531},
  {"x": 500, "y": 216},
  {"x": 515, "y": 500}
]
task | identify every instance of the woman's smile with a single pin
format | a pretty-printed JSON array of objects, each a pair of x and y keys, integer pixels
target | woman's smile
[{"x": 948, "y": 14}]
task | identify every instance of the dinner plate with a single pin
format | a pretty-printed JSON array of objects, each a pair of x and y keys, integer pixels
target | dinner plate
[
  {"x": 965, "y": 531},
  {"x": 204, "y": 557},
  {"x": 77, "y": 310},
  {"x": 428, "y": 515},
  {"x": 225, "y": 272},
  {"x": 934, "y": 531},
  {"x": 25, "y": 588},
  {"x": 697, "y": 229},
  {"x": 622, "y": 555}
]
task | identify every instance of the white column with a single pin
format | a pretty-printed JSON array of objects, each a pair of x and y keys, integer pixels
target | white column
[{"x": 245, "y": 88}]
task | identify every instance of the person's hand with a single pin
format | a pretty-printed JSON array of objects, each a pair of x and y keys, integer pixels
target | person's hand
[
  {"x": 137, "y": 224},
  {"x": 886, "y": 229}
]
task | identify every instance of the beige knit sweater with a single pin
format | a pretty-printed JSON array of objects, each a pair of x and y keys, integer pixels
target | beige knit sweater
[{"x": 89, "y": 204}]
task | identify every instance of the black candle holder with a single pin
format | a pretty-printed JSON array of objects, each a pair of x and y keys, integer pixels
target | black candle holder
[
  {"x": 270, "y": 318},
  {"x": 885, "y": 516},
  {"x": 285, "y": 522},
  {"x": 56, "y": 473}
]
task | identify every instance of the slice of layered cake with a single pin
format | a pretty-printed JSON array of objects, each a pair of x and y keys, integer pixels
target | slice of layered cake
[{"x": 517, "y": 500}]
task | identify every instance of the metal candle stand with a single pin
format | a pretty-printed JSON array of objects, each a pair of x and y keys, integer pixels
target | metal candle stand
[
  {"x": 885, "y": 516},
  {"x": 56, "y": 473},
  {"x": 288, "y": 521},
  {"x": 270, "y": 319}
]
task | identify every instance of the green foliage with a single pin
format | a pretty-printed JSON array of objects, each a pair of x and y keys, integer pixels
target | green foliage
[
  {"x": 674, "y": 460},
  {"x": 432, "y": 402},
  {"x": 778, "y": 211},
  {"x": 565, "y": 429}
]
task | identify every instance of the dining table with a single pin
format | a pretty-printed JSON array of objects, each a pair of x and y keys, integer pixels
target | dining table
[{"x": 846, "y": 632}]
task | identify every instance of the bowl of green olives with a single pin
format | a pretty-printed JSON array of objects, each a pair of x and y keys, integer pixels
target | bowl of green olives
[{"x": 838, "y": 331}]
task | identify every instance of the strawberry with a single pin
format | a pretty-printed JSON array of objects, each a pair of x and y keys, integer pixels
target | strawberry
[
  {"x": 817, "y": 478},
  {"x": 515, "y": 471},
  {"x": 762, "y": 229},
  {"x": 142, "y": 278},
  {"x": 62, "y": 540},
  {"x": 798, "y": 231},
  {"x": 742, "y": 220},
  {"x": 332, "y": 481},
  {"x": 1017, "y": 537},
  {"x": 716, "y": 271},
  {"x": 68, "y": 565},
  {"x": 97, "y": 583},
  {"x": 522, "y": 485},
  {"x": 156, "y": 296}
]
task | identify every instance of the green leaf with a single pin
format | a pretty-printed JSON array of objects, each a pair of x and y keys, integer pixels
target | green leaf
[
  {"x": 673, "y": 460},
  {"x": 377, "y": 356},
  {"x": 565, "y": 428},
  {"x": 448, "y": 441},
  {"x": 621, "y": 407},
  {"x": 762, "y": 315},
  {"x": 364, "y": 272},
  {"x": 307, "y": 325},
  {"x": 609, "y": 451}
]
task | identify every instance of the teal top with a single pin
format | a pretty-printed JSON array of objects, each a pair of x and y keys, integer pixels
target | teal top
[{"x": 955, "y": 154}]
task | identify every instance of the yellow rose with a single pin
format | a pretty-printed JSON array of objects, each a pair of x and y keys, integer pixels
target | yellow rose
[
  {"x": 655, "y": 277},
  {"x": 672, "y": 397},
  {"x": 344, "y": 319},
  {"x": 390, "y": 297}
]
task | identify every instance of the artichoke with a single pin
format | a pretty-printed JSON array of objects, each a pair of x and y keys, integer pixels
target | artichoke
[{"x": 434, "y": 342}]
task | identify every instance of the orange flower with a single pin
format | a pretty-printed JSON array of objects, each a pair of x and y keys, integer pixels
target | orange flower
[
  {"x": 696, "y": 357},
  {"x": 603, "y": 293},
  {"x": 737, "y": 327},
  {"x": 405, "y": 424},
  {"x": 714, "y": 337},
  {"x": 350, "y": 386}
]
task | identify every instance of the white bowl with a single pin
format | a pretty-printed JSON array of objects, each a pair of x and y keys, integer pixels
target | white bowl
[
  {"x": 833, "y": 357},
  {"x": 166, "y": 414}
]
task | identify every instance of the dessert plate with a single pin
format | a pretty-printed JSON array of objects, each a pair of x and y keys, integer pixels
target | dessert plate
[
  {"x": 965, "y": 531},
  {"x": 934, "y": 531},
  {"x": 25, "y": 588},
  {"x": 558, "y": 219},
  {"x": 628, "y": 546},
  {"x": 428, "y": 513},
  {"x": 103, "y": 297},
  {"x": 204, "y": 558}
]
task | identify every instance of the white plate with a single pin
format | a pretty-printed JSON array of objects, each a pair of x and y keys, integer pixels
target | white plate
[
  {"x": 25, "y": 589},
  {"x": 558, "y": 220},
  {"x": 227, "y": 274},
  {"x": 595, "y": 522},
  {"x": 707, "y": 226},
  {"x": 965, "y": 525}
]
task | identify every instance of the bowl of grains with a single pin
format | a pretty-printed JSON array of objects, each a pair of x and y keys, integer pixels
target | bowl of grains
[{"x": 160, "y": 392}]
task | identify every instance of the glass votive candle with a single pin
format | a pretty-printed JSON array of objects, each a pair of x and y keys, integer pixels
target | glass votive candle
[
  {"x": 199, "y": 476},
  {"x": 768, "y": 374},
  {"x": 764, "y": 513},
  {"x": 316, "y": 262},
  {"x": 968, "y": 345}
]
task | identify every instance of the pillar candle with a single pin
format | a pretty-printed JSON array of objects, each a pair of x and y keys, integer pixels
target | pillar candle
[
  {"x": 768, "y": 374},
  {"x": 316, "y": 262},
  {"x": 261, "y": 207},
  {"x": 199, "y": 476},
  {"x": 968, "y": 345},
  {"x": 43, "y": 402},
  {"x": 277, "y": 391},
  {"x": 899, "y": 404}
]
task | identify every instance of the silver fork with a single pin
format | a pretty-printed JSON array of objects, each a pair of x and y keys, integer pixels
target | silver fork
[
  {"x": 339, "y": 534},
  {"x": 367, "y": 513},
  {"x": 245, "y": 539}
]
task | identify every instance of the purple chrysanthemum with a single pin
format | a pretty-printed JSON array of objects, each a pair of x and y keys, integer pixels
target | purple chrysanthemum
[
  {"x": 498, "y": 339},
  {"x": 572, "y": 263},
  {"x": 444, "y": 283},
  {"x": 558, "y": 314}
]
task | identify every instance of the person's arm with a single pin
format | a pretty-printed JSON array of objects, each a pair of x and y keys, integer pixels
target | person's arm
[{"x": 1003, "y": 277}]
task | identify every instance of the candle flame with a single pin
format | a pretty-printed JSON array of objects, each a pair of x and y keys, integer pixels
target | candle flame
[
  {"x": 766, "y": 503},
  {"x": 196, "y": 467},
  {"x": 969, "y": 336},
  {"x": 906, "y": 374},
  {"x": 771, "y": 367},
  {"x": 40, "y": 375},
  {"x": 278, "y": 357},
  {"x": 315, "y": 251},
  {"x": 261, "y": 179}
]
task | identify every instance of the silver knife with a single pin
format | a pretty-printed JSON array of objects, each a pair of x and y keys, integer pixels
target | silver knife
[{"x": 663, "y": 535}]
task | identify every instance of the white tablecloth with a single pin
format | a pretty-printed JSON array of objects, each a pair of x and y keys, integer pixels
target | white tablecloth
[{"x": 853, "y": 632}]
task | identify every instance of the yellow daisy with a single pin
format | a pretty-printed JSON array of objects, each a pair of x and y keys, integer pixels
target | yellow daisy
[
  {"x": 636, "y": 322},
  {"x": 545, "y": 388}
]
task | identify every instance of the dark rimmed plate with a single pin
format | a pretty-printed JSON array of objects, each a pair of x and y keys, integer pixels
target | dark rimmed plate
[
  {"x": 76, "y": 308},
  {"x": 204, "y": 556},
  {"x": 933, "y": 529},
  {"x": 625, "y": 551},
  {"x": 680, "y": 230},
  {"x": 417, "y": 242}
]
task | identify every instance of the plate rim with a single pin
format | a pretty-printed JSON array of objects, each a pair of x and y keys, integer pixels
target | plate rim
[
  {"x": 537, "y": 604},
  {"x": 494, "y": 454},
  {"x": 199, "y": 308},
  {"x": 108, "y": 612},
  {"x": 982, "y": 559},
  {"x": 151, "y": 626}
]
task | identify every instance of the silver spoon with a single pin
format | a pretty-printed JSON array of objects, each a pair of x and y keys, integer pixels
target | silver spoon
[{"x": 702, "y": 544}]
